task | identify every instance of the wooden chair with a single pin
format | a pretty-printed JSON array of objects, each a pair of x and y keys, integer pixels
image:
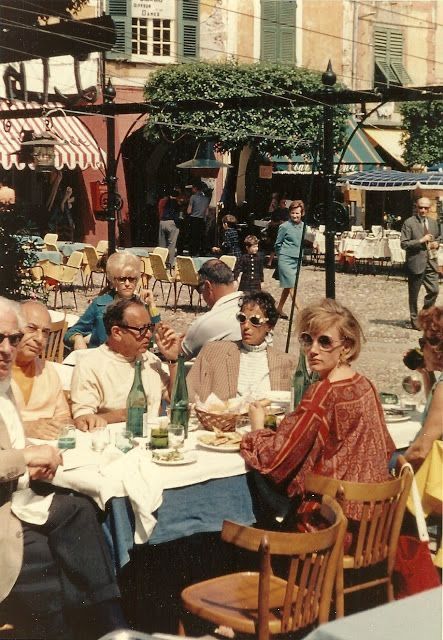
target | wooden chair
[
  {"x": 54, "y": 346},
  {"x": 263, "y": 604},
  {"x": 61, "y": 278},
  {"x": 229, "y": 261},
  {"x": 375, "y": 541},
  {"x": 188, "y": 277},
  {"x": 50, "y": 238},
  {"x": 146, "y": 270},
  {"x": 162, "y": 275},
  {"x": 90, "y": 266}
]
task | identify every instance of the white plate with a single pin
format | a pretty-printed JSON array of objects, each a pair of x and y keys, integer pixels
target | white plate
[
  {"x": 396, "y": 418},
  {"x": 279, "y": 396},
  {"x": 188, "y": 458},
  {"x": 224, "y": 448}
]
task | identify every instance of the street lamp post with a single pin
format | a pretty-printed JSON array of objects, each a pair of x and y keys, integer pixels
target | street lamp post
[
  {"x": 111, "y": 179},
  {"x": 328, "y": 79}
]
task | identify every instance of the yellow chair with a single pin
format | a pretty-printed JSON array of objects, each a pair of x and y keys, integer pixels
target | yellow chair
[
  {"x": 102, "y": 247},
  {"x": 161, "y": 251},
  {"x": 229, "y": 261},
  {"x": 162, "y": 275},
  {"x": 90, "y": 266},
  {"x": 375, "y": 535},
  {"x": 188, "y": 276},
  {"x": 263, "y": 604},
  {"x": 50, "y": 246},
  {"x": 61, "y": 278},
  {"x": 50, "y": 238},
  {"x": 146, "y": 270},
  {"x": 54, "y": 346}
]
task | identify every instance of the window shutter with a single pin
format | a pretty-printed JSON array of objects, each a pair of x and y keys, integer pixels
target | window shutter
[
  {"x": 388, "y": 56},
  {"x": 278, "y": 31},
  {"x": 189, "y": 35},
  {"x": 396, "y": 57},
  {"x": 286, "y": 21},
  {"x": 120, "y": 12}
]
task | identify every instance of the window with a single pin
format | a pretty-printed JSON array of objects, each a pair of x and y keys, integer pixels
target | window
[
  {"x": 278, "y": 31},
  {"x": 388, "y": 57},
  {"x": 151, "y": 37}
]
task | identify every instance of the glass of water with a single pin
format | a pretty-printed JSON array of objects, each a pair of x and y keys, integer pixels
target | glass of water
[
  {"x": 67, "y": 437},
  {"x": 99, "y": 439},
  {"x": 176, "y": 436}
]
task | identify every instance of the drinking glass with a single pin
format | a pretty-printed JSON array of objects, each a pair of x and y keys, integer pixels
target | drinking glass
[
  {"x": 159, "y": 437},
  {"x": 176, "y": 436},
  {"x": 123, "y": 441},
  {"x": 412, "y": 383},
  {"x": 99, "y": 439},
  {"x": 67, "y": 437}
]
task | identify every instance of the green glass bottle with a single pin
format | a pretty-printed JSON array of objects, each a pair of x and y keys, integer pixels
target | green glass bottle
[
  {"x": 136, "y": 404},
  {"x": 300, "y": 381},
  {"x": 180, "y": 398}
]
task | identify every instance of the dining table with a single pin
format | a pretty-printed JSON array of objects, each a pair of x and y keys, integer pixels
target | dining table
[
  {"x": 67, "y": 248},
  {"x": 55, "y": 257}
]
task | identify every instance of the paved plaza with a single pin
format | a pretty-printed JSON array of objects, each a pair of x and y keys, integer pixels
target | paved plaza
[{"x": 381, "y": 305}]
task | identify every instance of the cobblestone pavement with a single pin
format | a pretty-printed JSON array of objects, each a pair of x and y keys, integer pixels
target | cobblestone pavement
[{"x": 380, "y": 304}]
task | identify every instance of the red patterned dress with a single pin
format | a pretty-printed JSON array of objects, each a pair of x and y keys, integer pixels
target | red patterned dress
[{"x": 338, "y": 430}]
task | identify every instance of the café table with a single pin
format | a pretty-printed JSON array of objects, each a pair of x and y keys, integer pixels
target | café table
[
  {"x": 51, "y": 256},
  {"x": 141, "y": 252},
  {"x": 199, "y": 261},
  {"x": 403, "y": 432},
  {"x": 68, "y": 248}
]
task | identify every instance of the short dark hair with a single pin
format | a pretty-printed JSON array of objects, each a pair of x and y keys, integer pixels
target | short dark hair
[
  {"x": 216, "y": 272},
  {"x": 265, "y": 301},
  {"x": 251, "y": 241},
  {"x": 115, "y": 312},
  {"x": 230, "y": 220}
]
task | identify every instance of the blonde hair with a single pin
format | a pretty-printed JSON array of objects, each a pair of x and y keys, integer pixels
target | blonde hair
[
  {"x": 329, "y": 313},
  {"x": 118, "y": 261}
]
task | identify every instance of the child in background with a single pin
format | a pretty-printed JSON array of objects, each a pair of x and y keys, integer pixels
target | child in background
[
  {"x": 250, "y": 264},
  {"x": 230, "y": 244}
]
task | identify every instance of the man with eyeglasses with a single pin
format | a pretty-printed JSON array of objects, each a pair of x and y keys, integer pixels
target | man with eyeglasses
[
  {"x": 36, "y": 385},
  {"x": 103, "y": 377},
  {"x": 218, "y": 289},
  {"x": 420, "y": 238}
]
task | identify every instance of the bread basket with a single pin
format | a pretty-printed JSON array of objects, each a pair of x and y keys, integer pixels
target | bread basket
[{"x": 221, "y": 421}]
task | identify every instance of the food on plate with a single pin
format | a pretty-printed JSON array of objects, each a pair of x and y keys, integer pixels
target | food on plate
[
  {"x": 168, "y": 456},
  {"x": 221, "y": 439},
  {"x": 394, "y": 412}
]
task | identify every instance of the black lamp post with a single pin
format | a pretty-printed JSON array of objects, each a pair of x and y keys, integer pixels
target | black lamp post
[
  {"x": 109, "y": 94},
  {"x": 328, "y": 79}
]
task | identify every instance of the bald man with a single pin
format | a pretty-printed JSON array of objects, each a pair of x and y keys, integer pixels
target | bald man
[{"x": 36, "y": 386}]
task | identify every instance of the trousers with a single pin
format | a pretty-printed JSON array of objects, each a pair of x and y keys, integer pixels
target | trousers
[
  {"x": 429, "y": 279},
  {"x": 167, "y": 237},
  {"x": 198, "y": 232}
]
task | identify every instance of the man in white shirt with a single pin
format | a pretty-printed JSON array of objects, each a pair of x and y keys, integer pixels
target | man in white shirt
[
  {"x": 219, "y": 291},
  {"x": 103, "y": 377},
  {"x": 53, "y": 556}
]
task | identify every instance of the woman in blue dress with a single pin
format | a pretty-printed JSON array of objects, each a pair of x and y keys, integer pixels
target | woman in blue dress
[{"x": 287, "y": 248}]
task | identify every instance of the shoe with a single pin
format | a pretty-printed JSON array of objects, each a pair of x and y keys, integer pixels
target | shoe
[
  {"x": 283, "y": 315},
  {"x": 414, "y": 326}
]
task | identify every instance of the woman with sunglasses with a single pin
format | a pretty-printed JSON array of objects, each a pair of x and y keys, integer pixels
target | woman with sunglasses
[
  {"x": 431, "y": 322},
  {"x": 287, "y": 248},
  {"x": 250, "y": 366},
  {"x": 123, "y": 272},
  {"x": 338, "y": 429}
]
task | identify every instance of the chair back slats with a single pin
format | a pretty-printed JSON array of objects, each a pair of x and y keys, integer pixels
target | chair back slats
[
  {"x": 264, "y": 588},
  {"x": 54, "y": 345}
]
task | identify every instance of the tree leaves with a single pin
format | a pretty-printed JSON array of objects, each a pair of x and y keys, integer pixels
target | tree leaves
[{"x": 423, "y": 139}]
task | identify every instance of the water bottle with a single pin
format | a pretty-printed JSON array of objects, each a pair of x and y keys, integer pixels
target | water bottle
[
  {"x": 136, "y": 404},
  {"x": 180, "y": 398},
  {"x": 300, "y": 381}
]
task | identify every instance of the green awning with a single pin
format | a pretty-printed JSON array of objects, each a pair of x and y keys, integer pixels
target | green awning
[{"x": 359, "y": 156}]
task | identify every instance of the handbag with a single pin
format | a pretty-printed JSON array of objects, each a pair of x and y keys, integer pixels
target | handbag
[{"x": 414, "y": 570}]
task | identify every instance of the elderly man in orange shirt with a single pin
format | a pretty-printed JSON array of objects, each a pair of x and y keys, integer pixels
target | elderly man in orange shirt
[{"x": 36, "y": 385}]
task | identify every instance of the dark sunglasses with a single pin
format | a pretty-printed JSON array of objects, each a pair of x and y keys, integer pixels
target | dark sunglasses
[
  {"x": 256, "y": 321},
  {"x": 123, "y": 279},
  {"x": 14, "y": 338},
  {"x": 142, "y": 331},
  {"x": 324, "y": 342}
]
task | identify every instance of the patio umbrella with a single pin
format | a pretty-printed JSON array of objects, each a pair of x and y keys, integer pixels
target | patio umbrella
[{"x": 379, "y": 180}]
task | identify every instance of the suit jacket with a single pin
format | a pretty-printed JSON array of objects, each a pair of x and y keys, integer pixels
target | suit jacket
[
  {"x": 217, "y": 366},
  {"x": 12, "y": 466},
  {"x": 416, "y": 251}
]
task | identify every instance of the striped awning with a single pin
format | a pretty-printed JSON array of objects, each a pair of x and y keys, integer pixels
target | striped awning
[
  {"x": 393, "y": 180},
  {"x": 79, "y": 149}
]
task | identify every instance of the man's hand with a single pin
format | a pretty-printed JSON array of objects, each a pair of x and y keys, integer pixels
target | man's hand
[
  {"x": 257, "y": 415},
  {"x": 42, "y": 461},
  {"x": 428, "y": 237},
  {"x": 42, "y": 428},
  {"x": 90, "y": 422},
  {"x": 79, "y": 342},
  {"x": 168, "y": 341}
]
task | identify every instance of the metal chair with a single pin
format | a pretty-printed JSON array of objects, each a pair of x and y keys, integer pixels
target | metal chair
[
  {"x": 188, "y": 277},
  {"x": 229, "y": 261},
  {"x": 55, "y": 346},
  {"x": 161, "y": 251},
  {"x": 61, "y": 278},
  {"x": 162, "y": 275},
  {"x": 375, "y": 534},
  {"x": 261, "y": 603},
  {"x": 90, "y": 266}
]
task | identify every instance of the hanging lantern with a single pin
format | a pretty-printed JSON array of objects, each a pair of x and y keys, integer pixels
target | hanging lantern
[
  {"x": 204, "y": 164},
  {"x": 42, "y": 150}
]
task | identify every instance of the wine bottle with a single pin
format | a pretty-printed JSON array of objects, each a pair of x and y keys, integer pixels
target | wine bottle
[
  {"x": 180, "y": 399},
  {"x": 136, "y": 404},
  {"x": 300, "y": 381}
]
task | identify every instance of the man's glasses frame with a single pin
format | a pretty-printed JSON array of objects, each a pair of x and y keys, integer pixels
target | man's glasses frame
[
  {"x": 14, "y": 338},
  {"x": 325, "y": 343},
  {"x": 142, "y": 331},
  {"x": 256, "y": 321}
]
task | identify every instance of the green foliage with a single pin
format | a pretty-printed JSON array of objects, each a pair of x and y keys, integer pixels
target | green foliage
[
  {"x": 276, "y": 130},
  {"x": 423, "y": 139},
  {"x": 16, "y": 258}
]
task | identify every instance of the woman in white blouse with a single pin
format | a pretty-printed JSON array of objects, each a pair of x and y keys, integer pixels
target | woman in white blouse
[{"x": 249, "y": 366}]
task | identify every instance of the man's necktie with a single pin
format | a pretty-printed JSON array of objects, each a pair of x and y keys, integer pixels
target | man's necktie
[{"x": 425, "y": 225}]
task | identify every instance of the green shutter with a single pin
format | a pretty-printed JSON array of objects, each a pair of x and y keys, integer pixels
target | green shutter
[
  {"x": 120, "y": 12},
  {"x": 188, "y": 30},
  {"x": 278, "y": 32},
  {"x": 388, "y": 55},
  {"x": 396, "y": 56}
]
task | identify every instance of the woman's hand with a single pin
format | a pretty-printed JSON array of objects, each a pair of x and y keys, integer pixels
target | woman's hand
[
  {"x": 257, "y": 414},
  {"x": 168, "y": 341},
  {"x": 146, "y": 296}
]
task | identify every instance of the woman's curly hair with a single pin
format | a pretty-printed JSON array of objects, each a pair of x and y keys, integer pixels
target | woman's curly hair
[{"x": 265, "y": 301}]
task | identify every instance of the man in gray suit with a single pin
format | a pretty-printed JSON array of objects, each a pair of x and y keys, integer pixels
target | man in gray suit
[{"x": 420, "y": 237}]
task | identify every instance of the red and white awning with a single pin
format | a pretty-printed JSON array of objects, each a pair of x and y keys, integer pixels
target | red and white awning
[{"x": 80, "y": 148}]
